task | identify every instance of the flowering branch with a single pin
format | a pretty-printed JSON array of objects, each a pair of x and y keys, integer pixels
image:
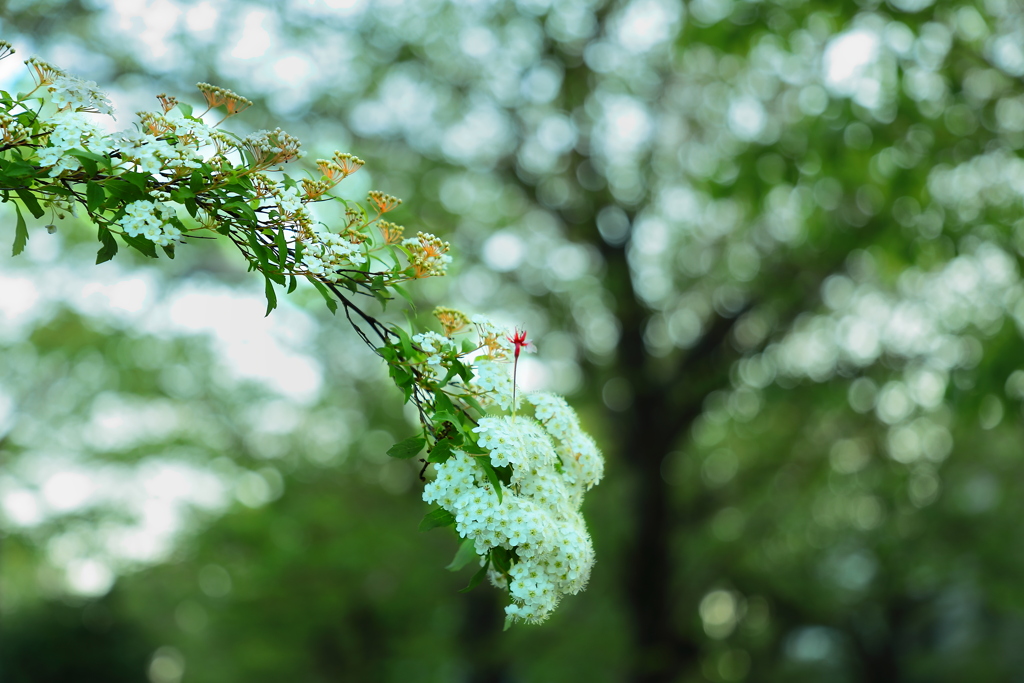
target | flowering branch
[{"x": 512, "y": 489}]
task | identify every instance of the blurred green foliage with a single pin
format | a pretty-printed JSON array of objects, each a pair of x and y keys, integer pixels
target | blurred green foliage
[{"x": 769, "y": 250}]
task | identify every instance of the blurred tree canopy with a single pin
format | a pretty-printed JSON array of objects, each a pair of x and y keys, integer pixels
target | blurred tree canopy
[{"x": 770, "y": 251}]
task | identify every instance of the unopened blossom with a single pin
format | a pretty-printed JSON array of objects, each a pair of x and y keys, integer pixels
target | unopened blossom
[{"x": 427, "y": 254}]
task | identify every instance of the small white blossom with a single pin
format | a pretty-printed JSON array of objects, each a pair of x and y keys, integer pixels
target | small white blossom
[
  {"x": 79, "y": 95},
  {"x": 151, "y": 220},
  {"x": 71, "y": 130},
  {"x": 288, "y": 199},
  {"x": 438, "y": 349},
  {"x": 328, "y": 253},
  {"x": 492, "y": 381}
]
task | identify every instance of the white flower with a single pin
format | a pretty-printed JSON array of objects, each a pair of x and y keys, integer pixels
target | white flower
[
  {"x": 71, "y": 130},
  {"x": 151, "y": 220},
  {"x": 329, "y": 253},
  {"x": 288, "y": 199},
  {"x": 79, "y": 95},
  {"x": 436, "y": 346}
]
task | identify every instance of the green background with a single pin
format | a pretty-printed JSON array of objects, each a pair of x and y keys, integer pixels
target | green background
[{"x": 768, "y": 250}]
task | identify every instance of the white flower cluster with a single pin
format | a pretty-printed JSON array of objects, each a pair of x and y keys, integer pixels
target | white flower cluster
[
  {"x": 151, "y": 220},
  {"x": 170, "y": 142},
  {"x": 146, "y": 152},
  {"x": 582, "y": 463},
  {"x": 152, "y": 151},
  {"x": 79, "y": 95},
  {"x": 288, "y": 200},
  {"x": 492, "y": 382},
  {"x": 191, "y": 139},
  {"x": 552, "y": 464},
  {"x": 328, "y": 253},
  {"x": 436, "y": 346},
  {"x": 71, "y": 130}
]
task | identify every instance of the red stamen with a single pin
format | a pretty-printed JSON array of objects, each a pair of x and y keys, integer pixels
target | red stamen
[{"x": 520, "y": 342}]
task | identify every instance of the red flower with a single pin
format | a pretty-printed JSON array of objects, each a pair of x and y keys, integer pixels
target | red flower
[{"x": 521, "y": 343}]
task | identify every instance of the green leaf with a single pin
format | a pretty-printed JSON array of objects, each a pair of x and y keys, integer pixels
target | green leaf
[
  {"x": 169, "y": 250},
  {"x": 401, "y": 375},
  {"x": 196, "y": 182},
  {"x": 332, "y": 303},
  {"x": 19, "y": 169},
  {"x": 108, "y": 248},
  {"x": 409, "y": 448},
  {"x": 141, "y": 244},
  {"x": 477, "y": 578},
  {"x": 86, "y": 154},
  {"x": 473, "y": 403},
  {"x": 259, "y": 251},
  {"x": 181, "y": 194},
  {"x": 442, "y": 403},
  {"x": 441, "y": 451},
  {"x": 436, "y": 518},
  {"x": 20, "y": 232},
  {"x": 242, "y": 208},
  {"x": 88, "y": 160},
  {"x": 94, "y": 196},
  {"x": 292, "y": 283},
  {"x": 381, "y": 297},
  {"x": 124, "y": 190},
  {"x": 492, "y": 476},
  {"x": 271, "y": 297},
  {"x": 30, "y": 202},
  {"x": 465, "y": 554},
  {"x": 501, "y": 559},
  {"x": 404, "y": 294},
  {"x": 452, "y": 371},
  {"x": 185, "y": 109},
  {"x": 60, "y": 190},
  {"x": 139, "y": 180},
  {"x": 404, "y": 339},
  {"x": 441, "y": 416},
  {"x": 282, "y": 248}
]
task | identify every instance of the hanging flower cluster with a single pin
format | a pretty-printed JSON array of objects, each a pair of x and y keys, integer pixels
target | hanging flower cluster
[
  {"x": 536, "y": 518},
  {"x": 511, "y": 484}
]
